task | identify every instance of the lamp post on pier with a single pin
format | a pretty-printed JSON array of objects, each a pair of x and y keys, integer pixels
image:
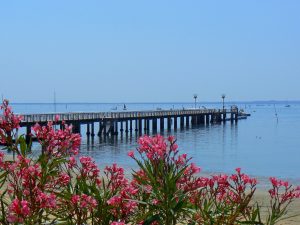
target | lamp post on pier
[
  {"x": 223, "y": 97},
  {"x": 195, "y": 97}
]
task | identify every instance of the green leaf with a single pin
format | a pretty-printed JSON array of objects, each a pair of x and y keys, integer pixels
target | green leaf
[{"x": 151, "y": 219}]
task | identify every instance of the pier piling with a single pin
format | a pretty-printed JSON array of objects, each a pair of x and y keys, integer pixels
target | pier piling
[
  {"x": 88, "y": 132},
  {"x": 175, "y": 123},
  {"x": 187, "y": 121},
  {"x": 169, "y": 119},
  {"x": 93, "y": 130},
  {"x": 162, "y": 123}
]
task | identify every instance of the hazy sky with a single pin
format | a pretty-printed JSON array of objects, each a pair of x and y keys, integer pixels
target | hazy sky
[{"x": 149, "y": 51}]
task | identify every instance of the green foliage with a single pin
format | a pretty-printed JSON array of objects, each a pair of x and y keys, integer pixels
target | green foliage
[{"x": 162, "y": 177}]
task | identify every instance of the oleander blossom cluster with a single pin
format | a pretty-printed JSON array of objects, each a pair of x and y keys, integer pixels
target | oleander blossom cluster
[
  {"x": 60, "y": 187},
  {"x": 283, "y": 191},
  {"x": 57, "y": 142},
  {"x": 8, "y": 122},
  {"x": 25, "y": 186},
  {"x": 122, "y": 205}
]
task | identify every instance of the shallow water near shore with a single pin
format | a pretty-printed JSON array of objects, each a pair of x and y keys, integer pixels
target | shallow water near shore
[{"x": 260, "y": 145}]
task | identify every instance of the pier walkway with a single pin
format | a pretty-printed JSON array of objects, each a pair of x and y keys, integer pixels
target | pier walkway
[{"x": 111, "y": 123}]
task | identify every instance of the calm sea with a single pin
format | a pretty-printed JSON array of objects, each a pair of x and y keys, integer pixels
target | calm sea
[{"x": 261, "y": 145}]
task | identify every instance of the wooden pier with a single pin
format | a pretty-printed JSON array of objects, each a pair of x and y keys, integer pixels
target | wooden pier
[{"x": 113, "y": 123}]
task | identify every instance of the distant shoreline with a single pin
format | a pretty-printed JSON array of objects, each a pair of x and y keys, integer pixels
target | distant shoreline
[{"x": 199, "y": 102}]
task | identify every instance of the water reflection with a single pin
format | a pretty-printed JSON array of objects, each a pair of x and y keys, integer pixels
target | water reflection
[{"x": 199, "y": 141}]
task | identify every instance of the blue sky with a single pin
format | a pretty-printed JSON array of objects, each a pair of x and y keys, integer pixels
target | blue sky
[{"x": 149, "y": 51}]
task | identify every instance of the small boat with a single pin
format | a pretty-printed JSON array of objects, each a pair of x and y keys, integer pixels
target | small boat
[
  {"x": 124, "y": 107},
  {"x": 288, "y": 106},
  {"x": 239, "y": 118},
  {"x": 242, "y": 113}
]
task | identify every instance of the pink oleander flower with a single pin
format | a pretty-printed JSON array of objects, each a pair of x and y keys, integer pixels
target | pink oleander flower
[
  {"x": 2, "y": 137},
  {"x": 192, "y": 169},
  {"x": 118, "y": 223},
  {"x": 181, "y": 159},
  {"x": 115, "y": 200},
  {"x": 56, "y": 118},
  {"x": 116, "y": 177},
  {"x": 121, "y": 204},
  {"x": 238, "y": 170},
  {"x": 46, "y": 201},
  {"x": 155, "y": 201},
  {"x": 72, "y": 162},
  {"x": 63, "y": 179},
  {"x": 84, "y": 202},
  {"x": 171, "y": 139},
  {"x": 18, "y": 211},
  {"x": 89, "y": 169},
  {"x": 1, "y": 160},
  {"x": 131, "y": 154}
]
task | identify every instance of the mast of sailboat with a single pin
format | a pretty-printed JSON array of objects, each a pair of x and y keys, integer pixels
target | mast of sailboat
[
  {"x": 276, "y": 113},
  {"x": 54, "y": 101}
]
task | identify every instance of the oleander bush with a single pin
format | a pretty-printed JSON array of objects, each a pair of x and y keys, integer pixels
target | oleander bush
[{"x": 58, "y": 187}]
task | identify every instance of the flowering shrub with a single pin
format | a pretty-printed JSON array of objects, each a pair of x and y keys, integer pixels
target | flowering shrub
[
  {"x": 223, "y": 199},
  {"x": 281, "y": 195},
  {"x": 59, "y": 188},
  {"x": 165, "y": 181},
  {"x": 9, "y": 125}
]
